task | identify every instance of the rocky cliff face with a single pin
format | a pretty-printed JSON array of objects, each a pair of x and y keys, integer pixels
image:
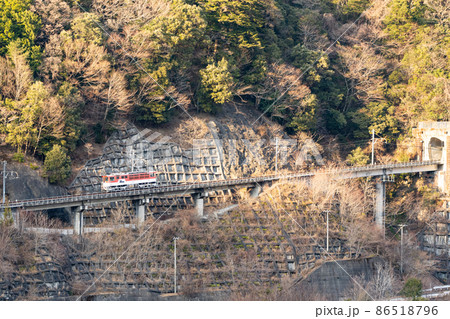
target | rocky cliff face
[
  {"x": 333, "y": 279},
  {"x": 29, "y": 184}
]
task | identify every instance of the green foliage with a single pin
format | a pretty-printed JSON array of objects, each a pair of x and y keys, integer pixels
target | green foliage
[
  {"x": 310, "y": 62},
  {"x": 155, "y": 112},
  {"x": 239, "y": 20},
  {"x": 72, "y": 103},
  {"x": 87, "y": 27},
  {"x": 412, "y": 289},
  {"x": 181, "y": 28},
  {"x": 19, "y": 157},
  {"x": 83, "y": 3},
  {"x": 403, "y": 16},
  {"x": 402, "y": 156},
  {"x": 57, "y": 165},
  {"x": 40, "y": 119},
  {"x": 324, "y": 83},
  {"x": 358, "y": 157},
  {"x": 423, "y": 92},
  {"x": 384, "y": 120},
  {"x": 430, "y": 197},
  {"x": 155, "y": 106},
  {"x": 336, "y": 121},
  {"x": 98, "y": 132},
  {"x": 178, "y": 41},
  {"x": 257, "y": 72},
  {"x": 17, "y": 22},
  {"x": 7, "y": 218},
  {"x": 304, "y": 118},
  {"x": 352, "y": 9},
  {"x": 216, "y": 85},
  {"x": 207, "y": 52},
  {"x": 417, "y": 87},
  {"x": 21, "y": 131},
  {"x": 26, "y": 131}
]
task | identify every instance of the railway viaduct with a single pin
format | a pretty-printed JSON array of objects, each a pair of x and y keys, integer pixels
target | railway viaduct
[
  {"x": 433, "y": 139},
  {"x": 75, "y": 204}
]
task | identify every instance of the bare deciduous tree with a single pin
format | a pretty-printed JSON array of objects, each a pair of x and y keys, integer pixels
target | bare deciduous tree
[
  {"x": 440, "y": 10},
  {"x": 116, "y": 96},
  {"x": 281, "y": 79},
  {"x": 51, "y": 116},
  {"x": 8, "y": 249},
  {"x": 15, "y": 73},
  {"x": 118, "y": 13},
  {"x": 55, "y": 16},
  {"x": 363, "y": 69},
  {"x": 85, "y": 65},
  {"x": 382, "y": 285}
]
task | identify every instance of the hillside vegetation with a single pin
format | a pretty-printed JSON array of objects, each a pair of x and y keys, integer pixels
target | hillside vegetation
[
  {"x": 69, "y": 70},
  {"x": 259, "y": 251}
]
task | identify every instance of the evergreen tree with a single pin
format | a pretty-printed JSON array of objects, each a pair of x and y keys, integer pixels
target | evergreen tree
[
  {"x": 217, "y": 85},
  {"x": 17, "y": 22},
  {"x": 57, "y": 165},
  {"x": 357, "y": 157}
]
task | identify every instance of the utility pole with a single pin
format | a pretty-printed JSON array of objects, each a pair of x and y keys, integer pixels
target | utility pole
[
  {"x": 276, "y": 155},
  {"x": 328, "y": 234},
  {"x": 175, "y": 263},
  {"x": 401, "y": 248},
  {"x": 6, "y": 174},
  {"x": 4, "y": 183},
  {"x": 373, "y": 145}
]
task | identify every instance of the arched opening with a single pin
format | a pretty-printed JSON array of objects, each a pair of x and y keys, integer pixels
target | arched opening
[{"x": 435, "y": 149}]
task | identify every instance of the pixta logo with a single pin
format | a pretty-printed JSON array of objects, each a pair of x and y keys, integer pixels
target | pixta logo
[
  {"x": 148, "y": 149},
  {"x": 242, "y": 152}
]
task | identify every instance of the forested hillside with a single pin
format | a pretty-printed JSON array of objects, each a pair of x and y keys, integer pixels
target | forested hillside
[{"x": 71, "y": 69}]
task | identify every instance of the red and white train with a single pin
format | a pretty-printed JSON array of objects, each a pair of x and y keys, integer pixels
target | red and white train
[{"x": 124, "y": 181}]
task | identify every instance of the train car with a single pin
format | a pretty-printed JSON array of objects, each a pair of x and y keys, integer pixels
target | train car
[{"x": 123, "y": 181}]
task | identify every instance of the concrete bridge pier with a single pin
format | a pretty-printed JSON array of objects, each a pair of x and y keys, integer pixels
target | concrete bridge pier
[
  {"x": 77, "y": 218},
  {"x": 139, "y": 209},
  {"x": 199, "y": 203},
  {"x": 15, "y": 216},
  {"x": 380, "y": 202},
  {"x": 254, "y": 193}
]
